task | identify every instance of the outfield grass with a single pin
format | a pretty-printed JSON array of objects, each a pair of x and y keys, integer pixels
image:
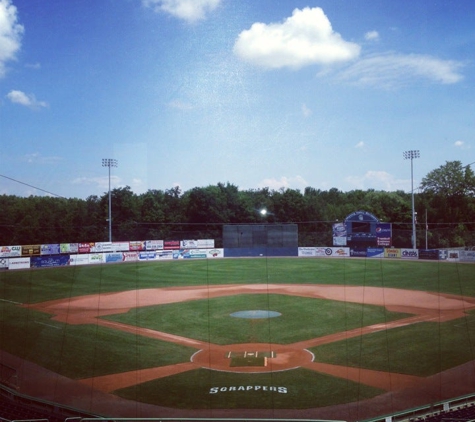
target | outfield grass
[
  {"x": 421, "y": 349},
  {"x": 302, "y": 318},
  {"x": 56, "y": 283},
  {"x": 84, "y": 351}
]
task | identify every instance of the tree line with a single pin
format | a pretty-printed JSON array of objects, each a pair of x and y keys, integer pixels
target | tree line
[{"x": 444, "y": 202}]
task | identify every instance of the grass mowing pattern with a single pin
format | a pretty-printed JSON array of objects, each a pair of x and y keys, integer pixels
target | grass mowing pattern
[
  {"x": 81, "y": 351},
  {"x": 89, "y": 350},
  {"x": 302, "y": 318},
  {"x": 421, "y": 349},
  {"x": 55, "y": 283},
  {"x": 304, "y": 389}
]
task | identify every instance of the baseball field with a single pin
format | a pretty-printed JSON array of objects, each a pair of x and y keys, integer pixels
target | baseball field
[{"x": 302, "y": 337}]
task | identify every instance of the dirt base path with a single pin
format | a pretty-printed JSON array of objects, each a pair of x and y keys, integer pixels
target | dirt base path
[{"x": 425, "y": 306}]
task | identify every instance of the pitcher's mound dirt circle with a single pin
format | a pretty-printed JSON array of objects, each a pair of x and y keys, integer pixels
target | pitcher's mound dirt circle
[{"x": 278, "y": 357}]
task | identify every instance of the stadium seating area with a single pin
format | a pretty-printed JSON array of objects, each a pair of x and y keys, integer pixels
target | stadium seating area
[
  {"x": 461, "y": 413},
  {"x": 14, "y": 407}
]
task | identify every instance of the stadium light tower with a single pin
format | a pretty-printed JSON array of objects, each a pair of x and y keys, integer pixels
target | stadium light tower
[
  {"x": 410, "y": 155},
  {"x": 109, "y": 162}
]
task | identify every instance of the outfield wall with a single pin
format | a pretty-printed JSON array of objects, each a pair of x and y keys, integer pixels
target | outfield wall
[{"x": 67, "y": 259}]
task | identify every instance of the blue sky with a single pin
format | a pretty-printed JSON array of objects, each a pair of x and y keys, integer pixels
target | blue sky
[{"x": 261, "y": 93}]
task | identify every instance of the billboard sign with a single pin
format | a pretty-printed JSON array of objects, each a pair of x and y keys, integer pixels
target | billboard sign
[
  {"x": 339, "y": 234},
  {"x": 432, "y": 254},
  {"x": 10, "y": 251},
  {"x": 30, "y": 250},
  {"x": 171, "y": 244},
  {"x": 85, "y": 247},
  {"x": 153, "y": 245},
  {"x": 49, "y": 261},
  {"x": 137, "y": 245},
  {"x": 79, "y": 260},
  {"x": 19, "y": 263},
  {"x": 358, "y": 252},
  {"x": 337, "y": 252},
  {"x": 467, "y": 256},
  {"x": 410, "y": 253},
  {"x": 375, "y": 252},
  {"x": 383, "y": 234},
  {"x": 113, "y": 257},
  {"x": 68, "y": 248},
  {"x": 392, "y": 253},
  {"x": 51, "y": 249}
]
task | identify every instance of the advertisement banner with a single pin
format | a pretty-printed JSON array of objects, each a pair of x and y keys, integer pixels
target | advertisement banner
[
  {"x": 10, "y": 251},
  {"x": 383, "y": 234},
  {"x": 189, "y": 253},
  {"x": 216, "y": 253},
  {"x": 392, "y": 253},
  {"x": 114, "y": 257},
  {"x": 467, "y": 256},
  {"x": 337, "y": 252},
  {"x": 358, "y": 252},
  {"x": 171, "y": 244},
  {"x": 96, "y": 258},
  {"x": 3, "y": 263},
  {"x": 197, "y": 244},
  {"x": 51, "y": 249},
  {"x": 165, "y": 254},
  {"x": 307, "y": 251},
  {"x": 147, "y": 256},
  {"x": 137, "y": 245},
  {"x": 130, "y": 256},
  {"x": 153, "y": 245},
  {"x": 339, "y": 234},
  {"x": 410, "y": 253},
  {"x": 120, "y": 247},
  {"x": 79, "y": 259},
  {"x": 432, "y": 254},
  {"x": 30, "y": 250},
  {"x": 443, "y": 254},
  {"x": 68, "y": 248},
  {"x": 85, "y": 247},
  {"x": 49, "y": 261},
  {"x": 375, "y": 252},
  {"x": 18, "y": 263},
  {"x": 101, "y": 247},
  {"x": 453, "y": 255}
]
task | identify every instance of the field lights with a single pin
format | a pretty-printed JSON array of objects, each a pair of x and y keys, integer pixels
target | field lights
[
  {"x": 411, "y": 155},
  {"x": 109, "y": 162}
]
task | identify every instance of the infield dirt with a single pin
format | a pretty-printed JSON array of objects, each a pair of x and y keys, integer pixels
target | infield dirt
[{"x": 403, "y": 391}]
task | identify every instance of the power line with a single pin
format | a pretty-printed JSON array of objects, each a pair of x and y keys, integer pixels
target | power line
[{"x": 31, "y": 186}]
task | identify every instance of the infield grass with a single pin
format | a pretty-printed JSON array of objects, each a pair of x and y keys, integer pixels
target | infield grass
[
  {"x": 301, "y": 318},
  {"x": 83, "y": 351}
]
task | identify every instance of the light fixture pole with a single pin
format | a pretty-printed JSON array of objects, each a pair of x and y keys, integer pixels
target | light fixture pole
[
  {"x": 109, "y": 162},
  {"x": 410, "y": 155}
]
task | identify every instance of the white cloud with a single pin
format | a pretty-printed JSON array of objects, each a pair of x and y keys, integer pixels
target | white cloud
[
  {"x": 10, "y": 34},
  {"x": 461, "y": 145},
  {"x": 188, "y": 10},
  {"x": 297, "y": 182},
  {"x": 371, "y": 36},
  {"x": 37, "y": 158},
  {"x": 379, "y": 180},
  {"x": 392, "y": 70},
  {"x": 19, "y": 97},
  {"x": 101, "y": 182},
  {"x": 360, "y": 144},
  {"x": 305, "y": 38}
]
